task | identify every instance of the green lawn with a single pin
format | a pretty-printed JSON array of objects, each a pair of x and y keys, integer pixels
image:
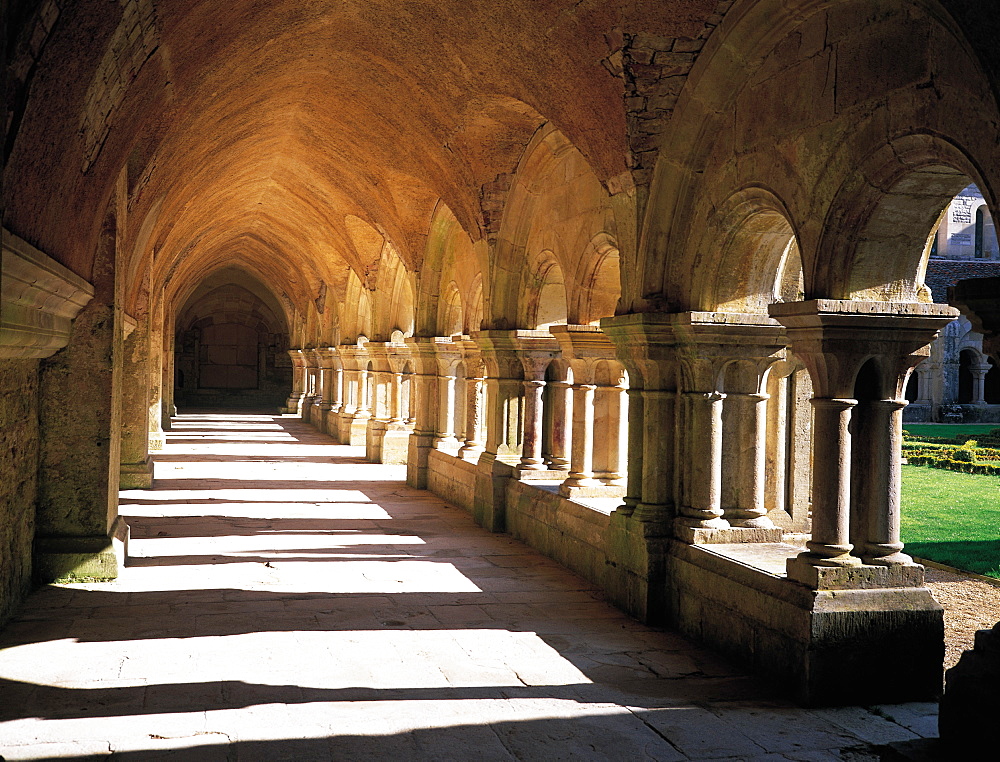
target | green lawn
[
  {"x": 952, "y": 518},
  {"x": 949, "y": 429}
]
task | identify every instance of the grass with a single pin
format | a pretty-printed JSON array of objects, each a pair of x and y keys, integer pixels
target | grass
[
  {"x": 949, "y": 429},
  {"x": 952, "y": 518}
]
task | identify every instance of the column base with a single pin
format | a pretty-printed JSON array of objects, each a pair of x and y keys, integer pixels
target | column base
[
  {"x": 855, "y": 577},
  {"x": 419, "y": 447},
  {"x": 136, "y": 475},
  {"x": 82, "y": 559},
  {"x": 707, "y": 536},
  {"x": 489, "y": 508},
  {"x": 545, "y": 474},
  {"x": 591, "y": 490}
]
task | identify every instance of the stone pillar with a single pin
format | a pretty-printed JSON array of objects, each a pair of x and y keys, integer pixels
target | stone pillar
[
  {"x": 504, "y": 420},
  {"x": 423, "y": 406},
  {"x": 611, "y": 436},
  {"x": 925, "y": 376},
  {"x": 168, "y": 408},
  {"x": 445, "y": 439},
  {"x": 581, "y": 481},
  {"x": 78, "y": 532},
  {"x": 136, "y": 465},
  {"x": 336, "y": 396},
  {"x": 837, "y": 340},
  {"x": 357, "y": 408},
  {"x": 326, "y": 357},
  {"x": 473, "y": 419},
  {"x": 701, "y": 507},
  {"x": 294, "y": 400},
  {"x": 979, "y": 383},
  {"x": 747, "y": 461},
  {"x": 594, "y": 440},
  {"x": 531, "y": 452},
  {"x": 155, "y": 405},
  {"x": 561, "y": 398}
]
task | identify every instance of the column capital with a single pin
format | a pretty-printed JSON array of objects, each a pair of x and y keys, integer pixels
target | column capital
[{"x": 834, "y": 338}]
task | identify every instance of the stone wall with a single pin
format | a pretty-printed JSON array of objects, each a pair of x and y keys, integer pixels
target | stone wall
[{"x": 18, "y": 479}]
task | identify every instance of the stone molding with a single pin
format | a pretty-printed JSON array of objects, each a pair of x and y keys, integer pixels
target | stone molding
[{"x": 40, "y": 299}]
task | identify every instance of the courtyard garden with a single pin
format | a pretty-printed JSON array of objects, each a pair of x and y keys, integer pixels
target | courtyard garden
[{"x": 951, "y": 495}]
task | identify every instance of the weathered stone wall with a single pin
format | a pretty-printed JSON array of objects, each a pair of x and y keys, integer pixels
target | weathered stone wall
[
  {"x": 452, "y": 478},
  {"x": 18, "y": 479}
]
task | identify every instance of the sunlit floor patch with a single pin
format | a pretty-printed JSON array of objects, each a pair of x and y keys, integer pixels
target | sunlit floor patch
[{"x": 318, "y": 608}]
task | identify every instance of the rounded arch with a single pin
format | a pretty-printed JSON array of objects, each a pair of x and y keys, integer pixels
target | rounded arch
[
  {"x": 880, "y": 228},
  {"x": 601, "y": 281},
  {"x": 543, "y": 295},
  {"x": 749, "y": 255}
]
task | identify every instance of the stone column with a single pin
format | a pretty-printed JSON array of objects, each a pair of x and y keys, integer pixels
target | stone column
[
  {"x": 747, "y": 461},
  {"x": 168, "y": 409},
  {"x": 979, "y": 383},
  {"x": 155, "y": 404},
  {"x": 882, "y": 545},
  {"x": 78, "y": 532},
  {"x": 611, "y": 430},
  {"x": 445, "y": 435},
  {"x": 561, "y": 396},
  {"x": 423, "y": 408},
  {"x": 473, "y": 420},
  {"x": 298, "y": 381},
  {"x": 925, "y": 375},
  {"x": 136, "y": 465},
  {"x": 581, "y": 472},
  {"x": 701, "y": 507},
  {"x": 531, "y": 452},
  {"x": 837, "y": 341}
]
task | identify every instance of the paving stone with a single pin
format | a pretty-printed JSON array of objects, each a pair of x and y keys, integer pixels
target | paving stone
[{"x": 323, "y": 610}]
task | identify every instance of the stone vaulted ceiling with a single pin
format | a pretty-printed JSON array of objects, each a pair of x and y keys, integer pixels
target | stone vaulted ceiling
[{"x": 289, "y": 135}]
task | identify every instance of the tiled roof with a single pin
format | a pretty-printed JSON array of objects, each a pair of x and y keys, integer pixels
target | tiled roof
[{"x": 942, "y": 273}]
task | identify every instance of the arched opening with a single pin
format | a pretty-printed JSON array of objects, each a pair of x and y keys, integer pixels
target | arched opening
[
  {"x": 544, "y": 296},
  {"x": 991, "y": 386},
  {"x": 966, "y": 386},
  {"x": 230, "y": 346}
]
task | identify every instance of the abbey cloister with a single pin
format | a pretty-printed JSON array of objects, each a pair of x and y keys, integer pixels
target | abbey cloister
[{"x": 639, "y": 284}]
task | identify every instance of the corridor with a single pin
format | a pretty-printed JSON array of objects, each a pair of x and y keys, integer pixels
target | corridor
[{"x": 285, "y": 599}]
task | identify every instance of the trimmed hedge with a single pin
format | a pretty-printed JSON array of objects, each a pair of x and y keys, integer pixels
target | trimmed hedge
[{"x": 967, "y": 457}]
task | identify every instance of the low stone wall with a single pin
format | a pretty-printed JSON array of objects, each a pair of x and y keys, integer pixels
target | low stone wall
[
  {"x": 818, "y": 645},
  {"x": 18, "y": 479},
  {"x": 452, "y": 478},
  {"x": 570, "y": 533}
]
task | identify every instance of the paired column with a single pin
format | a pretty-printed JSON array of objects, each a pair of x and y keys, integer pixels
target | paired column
[
  {"x": 294, "y": 401},
  {"x": 840, "y": 342}
]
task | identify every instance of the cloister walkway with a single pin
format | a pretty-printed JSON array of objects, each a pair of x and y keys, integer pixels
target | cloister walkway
[{"x": 284, "y": 599}]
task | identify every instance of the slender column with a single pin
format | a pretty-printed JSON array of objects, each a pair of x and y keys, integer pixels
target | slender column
[
  {"x": 298, "y": 379},
  {"x": 830, "y": 545},
  {"x": 611, "y": 431},
  {"x": 924, "y": 388},
  {"x": 446, "y": 417},
  {"x": 659, "y": 455},
  {"x": 531, "y": 450},
  {"x": 396, "y": 415},
  {"x": 337, "y": 391},
  {"x": 561, "y": 394},
  {"x": 748, "y": 509},
  {"x": 581, "y": 472},
  {"x": 881, "y": 514},
  {"x": 636, "y": 425},
  {"x": 155, "y": 402},
  {"x": 702, "y": 506},
  {"x": 473, "y": 420},
  {"x": 979, "y": 383}
]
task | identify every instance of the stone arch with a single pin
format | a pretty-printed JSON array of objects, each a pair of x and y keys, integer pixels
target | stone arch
[
  {"x": 880, "y": 227},
  {"x": 451, "y": 260},
  {"x": 750, "y": 255},
  {"x": 557, "y": 206},
  {"x": 601, "y": 281},
  {"x": 543, "y": 295},
  {"x": 452, "y": 319},
  {"x": 356, "y": 320}
]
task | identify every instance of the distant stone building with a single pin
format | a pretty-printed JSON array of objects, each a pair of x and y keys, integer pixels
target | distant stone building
[{"x": 959, "y": 381}]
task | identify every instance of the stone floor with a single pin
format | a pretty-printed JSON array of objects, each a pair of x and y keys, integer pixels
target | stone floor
[{"x": 286, "y": 600}]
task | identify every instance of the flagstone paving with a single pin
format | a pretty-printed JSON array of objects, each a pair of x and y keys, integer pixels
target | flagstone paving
[{"x": 284, "y": 599}]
